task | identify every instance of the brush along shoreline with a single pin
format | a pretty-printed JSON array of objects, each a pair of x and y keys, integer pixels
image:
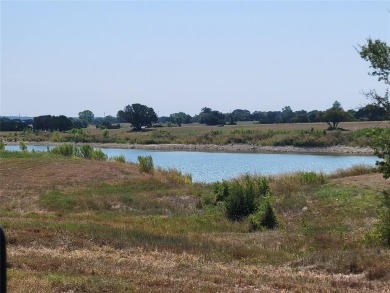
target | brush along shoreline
[{"x": 339, "y": 149}]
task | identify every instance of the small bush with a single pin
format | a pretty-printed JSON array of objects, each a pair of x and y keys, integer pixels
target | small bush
[
  {"x": 106, "y": 133},
  {"x": 66, "y": 150},
  {"x": 86, "y": 151},
  {"x": 2, "y": 146},
  {"x": 311, "y": 178},
  {"x": 146, "y": 164},
  {"x": 175, "y": 176},
  {"x": 22, "y": 146},
  {"x": 119, "y": 158},
  {"x": 241, "y": 197},
  {"x": 97, "y": 154},
  {"x": 269, "y": 219},
  {"x": 263, "y": 218}
]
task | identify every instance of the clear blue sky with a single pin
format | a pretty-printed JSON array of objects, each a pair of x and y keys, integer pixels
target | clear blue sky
[{"x": 62, "y": 57}]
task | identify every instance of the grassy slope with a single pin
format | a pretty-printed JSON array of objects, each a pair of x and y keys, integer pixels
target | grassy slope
[{"x": 88, "y": 226}]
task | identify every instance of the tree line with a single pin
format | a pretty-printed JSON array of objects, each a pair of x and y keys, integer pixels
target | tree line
[{"x": 143, "y": 116}]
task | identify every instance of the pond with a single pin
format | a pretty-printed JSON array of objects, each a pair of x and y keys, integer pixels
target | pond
[{"x": 216, "y": 166}]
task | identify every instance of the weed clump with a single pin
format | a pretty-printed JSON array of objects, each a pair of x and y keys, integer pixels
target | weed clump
[
  {"x": 311, "y": 178},
  {"x": 247, "y": 196},
  {"x": 85, "y": 151},
  {"x": 119, "y": 158},
  {"x": 22, "y": 146},
  {"x": 263, "y": 218},
  {"x": 66, "y": 150},
  {"x": 146, "y": 164}
]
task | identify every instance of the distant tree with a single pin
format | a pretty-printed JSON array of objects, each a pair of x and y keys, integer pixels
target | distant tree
[
  {"x": 300, "y": 117},
  {"x": 138, "y": 115},
  {"x": 110, "y": 119},
  {"x": 351, "y": 115},
  {"x": 334, "y": 115},
  {"x": 261, "y": 117},
  {"x": 87, "y": 115},
  {"x": 78, "y": 124},
  {"x": 273, "y": 117},
  {"x": 312, "y": 116},
  {"x": 42, "y": 123},
  {"x": 241, "y": 115},
  {"x": 61, "y": 123},
  {"x": 371, "y": 112},
  {"x": 106, "y": 122},
  {"x": 50, "y": 123},
  {"x": 287, "y": 114},
  {"x": 180, "y": 118},
  {"x": 206, "y": 110},
  {"x": 210, "y": 117},
  {"x": 7, "y": 124},
  {"x": 164, "y": 119}
]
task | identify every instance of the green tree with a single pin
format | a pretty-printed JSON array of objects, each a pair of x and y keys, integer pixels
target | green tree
[
  {"x": 180, "y": 118},
  {"x": 50, "y": 123},
  {"x": 210, "y": 117},
  {"x": 334, "y": 115},
  {"x": 87, "y": 115},
  {"x": 287, "y": 114},
  {"x": 371, "y": 112},
  {"x": 138, "y": 115},
  {"x": 241, "y": 115},
  {"x": 377, "y": 53}
]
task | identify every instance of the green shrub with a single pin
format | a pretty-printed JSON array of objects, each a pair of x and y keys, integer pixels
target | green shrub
[
  {"x": 264, "y": 218},
  {"x": 311, "y": 178},
  {"x": 175, "y": 176},
  {"x": 86, "y": 151},
  {"x": 97, "y": 154},
  {"x": 119, "y": 158},
  {"x": 66, "y": 150},
  {"x": 2, "y": 146},
  {"x": 221, "y": 190},
  {"x": 22, "y": 146},
  {"x": 146, "y": 164},
  {"x": 238, "y": 206},
  {"x": 241, "y": 197},
  {"x": 106, "y": 133}
]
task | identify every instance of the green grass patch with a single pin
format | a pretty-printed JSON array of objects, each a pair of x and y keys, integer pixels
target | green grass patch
[{"x": 55, "y": 200}]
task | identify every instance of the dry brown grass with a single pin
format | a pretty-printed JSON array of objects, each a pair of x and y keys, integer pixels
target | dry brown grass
[
  {"x": 173, "y": 246},
  {"x": 299, "y": 134}
]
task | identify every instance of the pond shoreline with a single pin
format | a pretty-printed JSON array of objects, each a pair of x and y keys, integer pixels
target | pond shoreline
[{"x": 225, "y": 148}]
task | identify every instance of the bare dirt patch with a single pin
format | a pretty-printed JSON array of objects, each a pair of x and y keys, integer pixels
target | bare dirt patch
[
  {"x": 369, "y": 181},
  {"x": 22, "y": 180}
]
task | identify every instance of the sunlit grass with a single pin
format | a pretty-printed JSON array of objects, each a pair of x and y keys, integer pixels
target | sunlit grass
[
  {"x": 292, "y": 134},
  {"x": 94, "y": 226}
]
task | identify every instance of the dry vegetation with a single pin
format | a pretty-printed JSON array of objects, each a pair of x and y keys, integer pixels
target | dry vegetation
[
  {"x": 76, "y": 225},
  {"x": 291, "y": 134}
]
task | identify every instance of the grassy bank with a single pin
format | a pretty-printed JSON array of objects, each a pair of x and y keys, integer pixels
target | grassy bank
[
  {"x": 82, "y": 225},
  {"x": 299, "y": 135}
]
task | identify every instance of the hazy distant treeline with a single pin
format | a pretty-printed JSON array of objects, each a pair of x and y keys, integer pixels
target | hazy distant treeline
[{"x": 370, "y": 112}]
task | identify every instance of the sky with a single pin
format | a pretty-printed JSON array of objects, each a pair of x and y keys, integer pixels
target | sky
[{"x": 63, "y": 57}]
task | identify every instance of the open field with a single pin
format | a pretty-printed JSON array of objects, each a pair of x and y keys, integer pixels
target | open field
[
  {"x": 76, "y": 225},
  {"x": 297, "y": 135}
]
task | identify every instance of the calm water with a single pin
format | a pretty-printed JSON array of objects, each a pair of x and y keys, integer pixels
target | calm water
[{"x": 214, "y": 166}]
